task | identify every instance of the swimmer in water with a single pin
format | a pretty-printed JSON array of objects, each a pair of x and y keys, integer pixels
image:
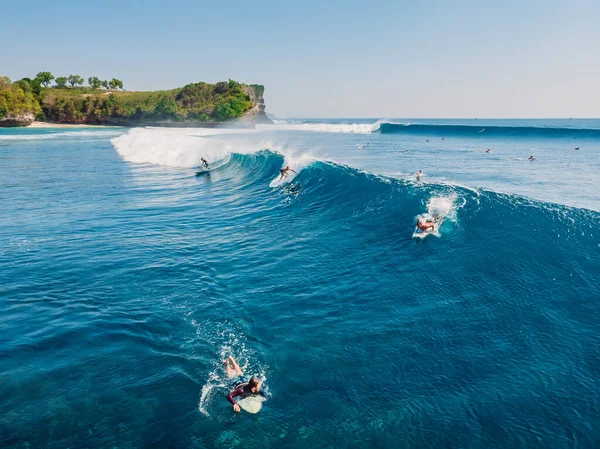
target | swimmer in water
[
  {"x": 576, "y": 148},
  {"x": 531, "y": 158},
  {"x": 418, "y": 175},
  {"x": 284, "y": 172},
  {"x": 403, "y": 152},
  {"x": 241, "y": 386},
  {"x": 443, "y": 138},
  {"x": 204, "y": 165},
  {"x": 488, "y": 151}
]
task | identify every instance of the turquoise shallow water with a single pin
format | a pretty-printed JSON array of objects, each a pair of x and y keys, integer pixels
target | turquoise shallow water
[{"x": 125, "y": 280}]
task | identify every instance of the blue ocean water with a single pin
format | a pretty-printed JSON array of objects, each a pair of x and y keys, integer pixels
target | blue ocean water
[{"x": 126, "y": 280}]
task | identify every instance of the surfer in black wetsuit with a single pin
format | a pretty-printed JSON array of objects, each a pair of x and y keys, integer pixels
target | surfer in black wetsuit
[
  {"x": 284, "y": 172},
  {"x": 531, "y": 158},
  {"x": 242, "y": 386},
  {"x": 204, "y": 165}
]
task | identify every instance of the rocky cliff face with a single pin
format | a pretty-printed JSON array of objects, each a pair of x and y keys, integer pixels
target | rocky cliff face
[
  {"x": 24, "y": 119},
  {"x": 257, "y": 113}
]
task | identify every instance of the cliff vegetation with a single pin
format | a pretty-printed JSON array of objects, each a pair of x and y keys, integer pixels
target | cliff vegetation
[{"x": 106, "y": 102}]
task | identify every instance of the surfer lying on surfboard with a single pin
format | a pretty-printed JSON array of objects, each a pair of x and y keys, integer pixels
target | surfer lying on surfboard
[
  {"x": 284, "y": 172},
  {"x": 428, "y": 225},
  {"x": 242, "y": 386}
]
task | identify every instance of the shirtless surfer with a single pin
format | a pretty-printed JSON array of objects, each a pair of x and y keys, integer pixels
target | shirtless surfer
[
  {"x": 427, "y": 225},
  {"x": 418, "y": 175},
  {"x": 531, "y": 158},
  {"x": 241, "y": 386},
  {"x": 284, "y": 172}
]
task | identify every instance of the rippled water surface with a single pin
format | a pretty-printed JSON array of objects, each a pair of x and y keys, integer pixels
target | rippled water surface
[{"x": 125, "y": 280}]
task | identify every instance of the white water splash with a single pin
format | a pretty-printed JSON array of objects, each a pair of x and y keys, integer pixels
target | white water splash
[
  {"x": 439, "y": 209},
  {"x": 218, "y": 382},
  {"x": 341, "y": 128}
]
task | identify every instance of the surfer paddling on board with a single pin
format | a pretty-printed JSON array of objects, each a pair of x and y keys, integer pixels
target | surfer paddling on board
[
  {"x": 428, "y": 225},
  {"x": 284, "y": 172},
  {"x": 204, "y": 165},
  {"x": 531, "y": 158},
  {"x": 242, "y": 386}
]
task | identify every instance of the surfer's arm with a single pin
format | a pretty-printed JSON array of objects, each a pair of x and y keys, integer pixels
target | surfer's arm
[
  {"x": 294, "y": 171},
  {"x": 234, "y": 394}
]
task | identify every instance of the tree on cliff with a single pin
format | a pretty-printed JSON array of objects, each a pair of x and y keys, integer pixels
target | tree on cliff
[
  {"x": 35, "y": 86},
  {"x": 105, "y": 84},
  {"x": 94, "y": 82},
  {"x": 115, "y": 84},
  {"x": 44, "y": 78},
  {"x": 15, "y": 101},
  {"x": 61, "y": 82},
  {"x": 75, "y": 80}
]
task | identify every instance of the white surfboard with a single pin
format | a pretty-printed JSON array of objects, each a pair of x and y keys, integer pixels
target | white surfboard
[{"x": 251, "y": 404}]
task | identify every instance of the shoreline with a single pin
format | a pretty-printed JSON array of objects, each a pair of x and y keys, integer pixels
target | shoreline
[{"x": 37, "y": 124}]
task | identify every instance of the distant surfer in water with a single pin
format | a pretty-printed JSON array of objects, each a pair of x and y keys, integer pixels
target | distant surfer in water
[
  {"x": 531, "y": 158},
  {"x": 576, "y": 148},
  {"x": 418, "y": 175},
  {"x": 284, "y": 172},
  {"x": 204, "y": 165},
  {"x": 488, "y": 151},
  {"x": 241, "y": 386}
]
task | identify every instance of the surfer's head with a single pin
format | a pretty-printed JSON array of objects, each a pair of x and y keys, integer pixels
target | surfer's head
[{"x": 254, "y": 385}]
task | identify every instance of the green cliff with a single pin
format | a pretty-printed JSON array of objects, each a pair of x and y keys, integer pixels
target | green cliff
[
  {"x": 18, "y": 107},
  {"x": 196, "y": 104}
]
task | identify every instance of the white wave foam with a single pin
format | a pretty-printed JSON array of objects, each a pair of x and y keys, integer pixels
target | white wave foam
[
  {"x": 29, "y": 137},
  {"x": 179, "y": 147},
  {"x": 58, "y": 135},
  {"x": 443, "y": 205},
  {"x": 185, "y": 147},
  {"x": 439, "y": 209},
  {"x": 342, "y": 128}
]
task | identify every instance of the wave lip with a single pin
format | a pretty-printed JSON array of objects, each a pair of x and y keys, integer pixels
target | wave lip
[{"x": 340, "y": 128}]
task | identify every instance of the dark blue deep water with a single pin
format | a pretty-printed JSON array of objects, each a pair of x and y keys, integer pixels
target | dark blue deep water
[{"x": 126, "y": 280}]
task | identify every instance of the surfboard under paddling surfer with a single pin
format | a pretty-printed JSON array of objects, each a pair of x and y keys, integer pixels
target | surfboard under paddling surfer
[{"x": 241, "y": 386}]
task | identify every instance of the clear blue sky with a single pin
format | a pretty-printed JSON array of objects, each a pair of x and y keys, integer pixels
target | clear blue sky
[{"x": 324, "y": 58}]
